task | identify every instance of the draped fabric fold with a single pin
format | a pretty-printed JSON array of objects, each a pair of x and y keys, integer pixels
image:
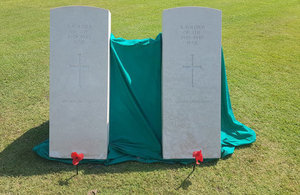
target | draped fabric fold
[{"x": 135, "y": 107}]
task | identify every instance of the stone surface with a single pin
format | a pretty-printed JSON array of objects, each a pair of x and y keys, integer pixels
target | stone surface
[
  {"x": 191, "y": 82},
  {"x": 79, "y": 81}
]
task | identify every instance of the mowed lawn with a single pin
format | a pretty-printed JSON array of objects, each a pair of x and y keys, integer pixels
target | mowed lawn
[{"x": 261, "y": 42}]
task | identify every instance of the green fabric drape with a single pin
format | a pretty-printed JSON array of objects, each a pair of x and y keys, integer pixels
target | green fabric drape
[{"x": 135, "y": 107}]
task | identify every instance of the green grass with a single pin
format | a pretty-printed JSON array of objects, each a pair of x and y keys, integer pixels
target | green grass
[{"x": 261, "y": 41}]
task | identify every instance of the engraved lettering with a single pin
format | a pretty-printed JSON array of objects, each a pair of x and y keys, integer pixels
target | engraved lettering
[{"x": 191, "y": 34}]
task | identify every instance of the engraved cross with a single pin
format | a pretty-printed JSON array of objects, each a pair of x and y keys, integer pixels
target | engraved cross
[
  {"x": 192, "y": 67},
  {"x": 80, "y": 67}
]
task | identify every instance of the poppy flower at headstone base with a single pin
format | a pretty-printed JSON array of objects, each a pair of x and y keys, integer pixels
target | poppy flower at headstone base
[
  {"x": 198, "y": 156},
  {"x": 76, "y": 158}
]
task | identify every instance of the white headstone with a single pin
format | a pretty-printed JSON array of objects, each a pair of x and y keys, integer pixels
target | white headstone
[
  {"x": 79, "y": 81},
  {"x": 191, "y": 82}
]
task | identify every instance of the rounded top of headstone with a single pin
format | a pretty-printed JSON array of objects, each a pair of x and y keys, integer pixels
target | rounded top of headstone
[
  {"x": 191, "y": 8},
  {"x": 79, "y": 7}
]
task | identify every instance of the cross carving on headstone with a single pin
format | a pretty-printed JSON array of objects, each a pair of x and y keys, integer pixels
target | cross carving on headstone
[
  {"x": 192, "y": 67},
  {"x": 80, "y": 67}
]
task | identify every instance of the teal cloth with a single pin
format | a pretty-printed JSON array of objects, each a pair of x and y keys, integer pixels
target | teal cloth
[{"x": 135, "y": 107}]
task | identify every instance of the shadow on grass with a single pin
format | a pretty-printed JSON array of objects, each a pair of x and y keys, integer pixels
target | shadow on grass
[
  {"x": 243, "y": 146},
  {"x": 132, "y": 166},
  {"x": 18, "y": 159},
  {"x": 65, "y": 182}
]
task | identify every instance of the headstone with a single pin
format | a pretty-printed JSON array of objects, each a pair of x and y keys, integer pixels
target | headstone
[
  {"x": 79, "y": 81},
  {"x": 191, "y": 82}
]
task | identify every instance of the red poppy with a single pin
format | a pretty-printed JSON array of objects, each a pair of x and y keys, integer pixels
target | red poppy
[
  {"x": 76, "y": 158},
  {"x": 198, "y": 156}
]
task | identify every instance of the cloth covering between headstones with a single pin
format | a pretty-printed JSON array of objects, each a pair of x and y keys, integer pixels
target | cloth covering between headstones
[{"x": 135, "y": 107}]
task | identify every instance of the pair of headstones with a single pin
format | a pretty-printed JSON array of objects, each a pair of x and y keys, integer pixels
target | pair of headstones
[{"x": 79, "y": 82}]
